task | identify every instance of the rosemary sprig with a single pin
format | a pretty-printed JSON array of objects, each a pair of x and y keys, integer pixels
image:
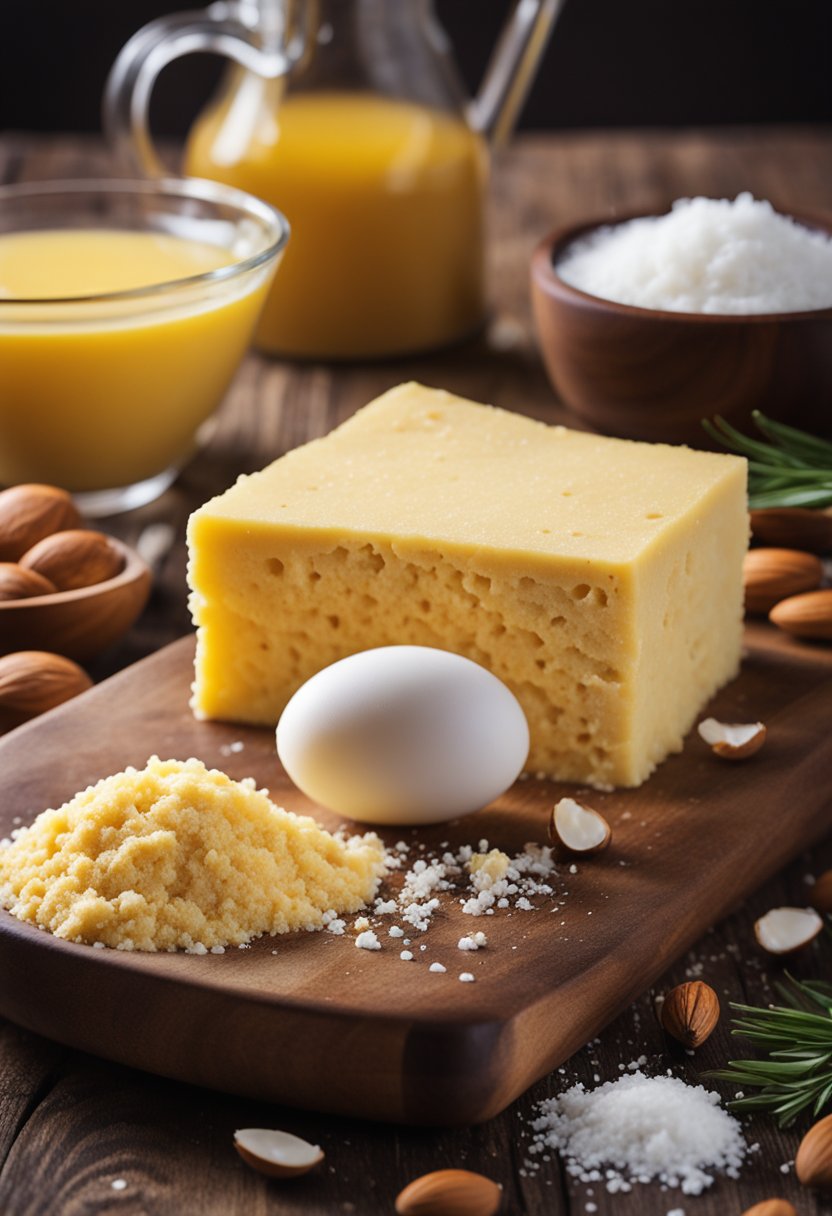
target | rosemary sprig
[
  {"x": 797, "y": 1040},
  {"x": 787, "y": 468}
]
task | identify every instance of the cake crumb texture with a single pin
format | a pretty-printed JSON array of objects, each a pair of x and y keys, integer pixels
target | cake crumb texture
[{"x": 599, "y": 579}]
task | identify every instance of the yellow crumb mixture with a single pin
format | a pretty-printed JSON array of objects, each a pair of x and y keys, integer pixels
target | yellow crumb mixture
[{"x": 178, "y": 856}]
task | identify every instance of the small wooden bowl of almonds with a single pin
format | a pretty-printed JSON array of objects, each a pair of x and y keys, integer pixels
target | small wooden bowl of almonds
[{"x": 63, "y": 588}]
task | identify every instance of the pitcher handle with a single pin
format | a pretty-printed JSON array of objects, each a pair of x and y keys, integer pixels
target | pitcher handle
[
  {"x": 220, "y": 29},
  {"x": 512, "y": 67}
]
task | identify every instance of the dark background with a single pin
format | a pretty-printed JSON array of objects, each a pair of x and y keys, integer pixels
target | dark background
[{"x": 610, "y": 62}]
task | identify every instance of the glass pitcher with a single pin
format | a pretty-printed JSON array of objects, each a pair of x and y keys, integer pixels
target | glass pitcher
[{"x": 349, "y": 116}]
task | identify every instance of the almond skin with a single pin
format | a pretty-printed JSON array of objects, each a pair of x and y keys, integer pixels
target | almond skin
[
  {"x": 28, "y": 513},
  {"x": 73, "y": 559},
  {"x": 32, "y": 681},
  {"x": 794, "y": 528},
  {"x": 805, "y": 616},
  {"x": 813, "y": 1163},
  {"x": 17, "y": 583},
  {"x": 450, "y": 1193},
  {"x": 770, "y": 575},
  {"x": 820, "y": 896},
  {"x": 772, "y": 1207},
  {"x": 690, "y": 1013}
]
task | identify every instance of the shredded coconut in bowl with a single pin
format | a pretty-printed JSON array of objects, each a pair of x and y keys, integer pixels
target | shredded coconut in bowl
[
  {"x": 642, "y": 1129},
  {"x": 719, "y": 256}
]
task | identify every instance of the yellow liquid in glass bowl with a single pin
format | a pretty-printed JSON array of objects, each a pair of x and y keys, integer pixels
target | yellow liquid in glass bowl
[{"x": 96, "y": 394}]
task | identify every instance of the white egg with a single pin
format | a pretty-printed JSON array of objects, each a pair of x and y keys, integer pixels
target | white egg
[{"x": 403, "y": 735}]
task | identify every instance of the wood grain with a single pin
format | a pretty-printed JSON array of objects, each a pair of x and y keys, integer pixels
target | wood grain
[
  {"x": 689, "y": 845},
  {"x": 70, "y": 1124}
]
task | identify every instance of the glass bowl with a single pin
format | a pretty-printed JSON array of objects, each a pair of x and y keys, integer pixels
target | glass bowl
[{"x": 104, "y": 394}]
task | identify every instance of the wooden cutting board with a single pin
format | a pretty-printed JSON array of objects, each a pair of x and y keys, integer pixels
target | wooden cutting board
[{"x": 311, "y": 1021}]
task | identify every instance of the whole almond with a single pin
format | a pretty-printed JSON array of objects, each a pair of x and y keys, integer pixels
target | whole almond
[
  {"x": 770, "y": 575},
  {"x": 794, "y": 528},
  {"x": 820, "y": 895},
  {"x": 28, "y": 513},
  {"x": 805, "y": 616},
  {"x": 32, "y": 681},
  {"x": 450, "y": 1193},
  {"x": 690, "y": 1013},
  {"x": 78, "y": 558},
  {"x": 17, "y": 583},
  {"x": 772, "y": 1207},
  {"x": 813, "y": 1163}
]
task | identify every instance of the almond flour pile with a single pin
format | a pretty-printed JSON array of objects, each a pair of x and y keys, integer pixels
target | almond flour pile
[{"x": 180, "y": 857}]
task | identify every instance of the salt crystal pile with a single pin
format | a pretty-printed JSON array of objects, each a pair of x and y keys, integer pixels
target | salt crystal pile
[
  {"x": 706, "y": 256},
  {"x": 642, "y": 1129}
]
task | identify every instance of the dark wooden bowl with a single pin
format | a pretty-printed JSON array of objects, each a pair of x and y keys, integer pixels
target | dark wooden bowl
[
  {"x": 646, "y": 374},
  {"x": 78, "y": 624}
]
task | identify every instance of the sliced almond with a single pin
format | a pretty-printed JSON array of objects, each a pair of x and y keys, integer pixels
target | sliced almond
[
  {"x": 732, "y": 741},
  {"x": 450, "y": 1193},
  {"x": 275, "y": 1153},
  {"x": 783, "y": 930},
  {"x": 579, "y": 828}
]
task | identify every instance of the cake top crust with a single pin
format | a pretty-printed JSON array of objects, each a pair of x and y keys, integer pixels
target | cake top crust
[{"x": 424, "y": 464}]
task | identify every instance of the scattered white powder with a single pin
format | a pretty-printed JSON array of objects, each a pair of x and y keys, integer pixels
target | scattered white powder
[
  {"x": 475, "y": 942},
  {"x": 437, "y": 968},
  {"x": 706, "y": 256},
  {"x": 466, "y": 977},
  {"x": 118, "y": 1184},
  {"x": 367, "y": 941},
  {"x": 641, "y": 1129},
  {"x": 395, "y": 931},
  {"x": 407, "y": 955}
]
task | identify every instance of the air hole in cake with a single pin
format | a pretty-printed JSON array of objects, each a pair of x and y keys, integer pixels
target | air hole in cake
[
  {"x": 275, "y": 566},
  {"x": 334, "y": 621},
  {"x": 478, "y": 582},
  {"x": 541, "y": 663},
  {"x": 314, "y": 576},
  {"x": 581, "y": 591},
  {"x": 425, "y": 605},
  {"x": 557, "y": 621},
  {"x": 374, "y": 558},
  {"x": 599, "y": 597},
  {"x": 654, "y": 515}
]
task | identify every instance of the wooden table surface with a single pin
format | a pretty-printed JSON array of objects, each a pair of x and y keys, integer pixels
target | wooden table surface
[{"x": 70, "y": 1125}]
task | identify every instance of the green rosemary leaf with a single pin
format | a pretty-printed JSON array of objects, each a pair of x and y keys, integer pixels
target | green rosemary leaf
[
  {"x": 819, "y": 497},
  {"x": 795, "y": 1071},
  {"x": 730, "y": 437},
  {"x": 800, "y": 443},
  {"x": 789, "y": 468},
  {"x": 801, "y": 475}
]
